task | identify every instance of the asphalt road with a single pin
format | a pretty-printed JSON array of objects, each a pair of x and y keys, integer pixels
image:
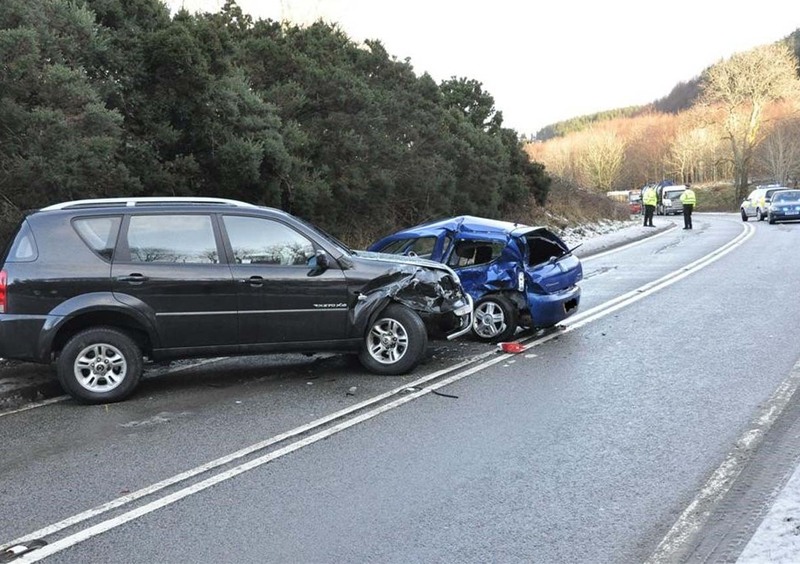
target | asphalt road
[{"x": 588, "y": 447}]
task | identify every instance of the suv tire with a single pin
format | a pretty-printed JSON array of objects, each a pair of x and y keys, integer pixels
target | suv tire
[
  {"x": 395, "y": 342},
  {"x": 100, "y": 365},
  {"x": 744, "y": 215},
  {"x": 496, "y": 319}
]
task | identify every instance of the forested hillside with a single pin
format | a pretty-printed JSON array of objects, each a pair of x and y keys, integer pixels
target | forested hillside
[
  {"x": 682, "y": 97},
  {"x": 736, "y": 124},
  {"x": 117, "y": 97}
]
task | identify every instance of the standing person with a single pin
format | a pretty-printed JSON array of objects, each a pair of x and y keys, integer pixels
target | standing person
[
  {"x": 688, "y": 199},
  {"x": 649, "y": 199}
]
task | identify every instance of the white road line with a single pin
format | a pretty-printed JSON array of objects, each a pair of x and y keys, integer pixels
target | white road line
[
  {"x": 183, "y": 476},
  {"x": 673, "y": 546},
  {"x": 575, "y": 322},
  {"x": 629, "y": 245},
  {"x": 115, "y": 522},
  {"x": 649, "y": 288}
]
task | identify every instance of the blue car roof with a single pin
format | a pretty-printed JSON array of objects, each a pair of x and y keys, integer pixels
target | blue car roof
[{"x": 469, "y": 224}]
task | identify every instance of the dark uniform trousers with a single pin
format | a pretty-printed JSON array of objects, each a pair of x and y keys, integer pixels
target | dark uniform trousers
[
  {"x": 687, "y": 215},
  {"x": 648, "y": 215}
]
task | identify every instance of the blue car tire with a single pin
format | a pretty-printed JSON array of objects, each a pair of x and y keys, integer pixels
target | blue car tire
[{"x": 496, "y": 319}]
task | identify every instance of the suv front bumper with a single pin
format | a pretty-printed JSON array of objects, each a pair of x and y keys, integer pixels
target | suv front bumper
[{"x": 465, "y": 316}]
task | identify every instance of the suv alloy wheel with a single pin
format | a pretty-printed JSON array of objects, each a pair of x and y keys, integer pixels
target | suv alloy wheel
[{"x": 100, "y": 365}]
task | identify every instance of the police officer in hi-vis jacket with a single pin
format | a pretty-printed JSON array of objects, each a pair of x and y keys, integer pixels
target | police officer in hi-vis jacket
[
  {"x": 688, "y": 199},
  {"x": 649, "y": 199}
]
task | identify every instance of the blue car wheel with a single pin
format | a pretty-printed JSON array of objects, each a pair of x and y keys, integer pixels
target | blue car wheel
[{"x": 495, "y": 319}]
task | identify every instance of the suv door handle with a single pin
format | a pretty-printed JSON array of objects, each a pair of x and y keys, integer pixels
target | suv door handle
[
  {"x": 133, "y": 278},
  {"x": 253, "y": 281}
]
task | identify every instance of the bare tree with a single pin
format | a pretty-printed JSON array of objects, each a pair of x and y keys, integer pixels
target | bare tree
[
  {"x": 739, "y": 89},
  {"x": 692, "y": 152},
  {"x": 647, "y": 145},
  {"x": 601, "y": 159},
  {"x": 557, "y": 155},
  {"x": 779, "y": 154}
]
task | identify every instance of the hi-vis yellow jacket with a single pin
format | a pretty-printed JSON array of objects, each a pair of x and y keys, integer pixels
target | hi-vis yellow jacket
[
  {"x": 649, "y": 198},
  {"x": 688, "y": 197}
]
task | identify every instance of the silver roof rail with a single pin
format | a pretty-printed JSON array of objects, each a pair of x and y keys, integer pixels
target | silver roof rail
[{"x": 131, "y": 202}]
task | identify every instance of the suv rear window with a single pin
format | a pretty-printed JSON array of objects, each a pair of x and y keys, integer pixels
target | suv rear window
[
  {"x": 23, "y": 249},
  {"x": 99, "y": 234}
]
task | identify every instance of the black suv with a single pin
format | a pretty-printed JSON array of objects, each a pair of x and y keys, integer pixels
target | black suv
[{"x": 97, "y": 284}]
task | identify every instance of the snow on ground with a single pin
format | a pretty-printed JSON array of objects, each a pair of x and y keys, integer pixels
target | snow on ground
[{"x": 580, "y": 233}]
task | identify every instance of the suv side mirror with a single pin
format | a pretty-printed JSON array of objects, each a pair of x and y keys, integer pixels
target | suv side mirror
[{"x": 319, "y": 263}]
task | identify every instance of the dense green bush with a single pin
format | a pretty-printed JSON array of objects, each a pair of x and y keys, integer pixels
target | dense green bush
[{"x": 118, "y": 97}]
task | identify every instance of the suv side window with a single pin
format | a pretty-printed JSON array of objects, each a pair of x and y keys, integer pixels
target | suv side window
[
  {"x": 99, "y": 233},
  {"x": 23, "y": 249},
  {"x": 186, "y": 239},
  {"x": 256, "y": 240}
]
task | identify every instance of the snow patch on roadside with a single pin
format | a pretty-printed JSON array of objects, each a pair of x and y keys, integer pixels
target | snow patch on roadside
[{"x": 574, "y": 235}]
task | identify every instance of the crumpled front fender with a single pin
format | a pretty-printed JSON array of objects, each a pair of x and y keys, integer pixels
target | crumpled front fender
[
  {"x": 485, "y": 280},
  {"x": 424, "y": 290}
]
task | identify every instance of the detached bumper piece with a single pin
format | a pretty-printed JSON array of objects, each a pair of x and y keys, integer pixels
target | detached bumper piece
[{"x": 13, "y": 552}]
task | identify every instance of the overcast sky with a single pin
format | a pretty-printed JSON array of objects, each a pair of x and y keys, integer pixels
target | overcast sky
[{"x": 546, "y": 61}]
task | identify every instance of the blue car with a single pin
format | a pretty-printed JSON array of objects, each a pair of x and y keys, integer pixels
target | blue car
[
  {"x": 785, "y": 206},
  {"x": 518, "y": 276}
]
